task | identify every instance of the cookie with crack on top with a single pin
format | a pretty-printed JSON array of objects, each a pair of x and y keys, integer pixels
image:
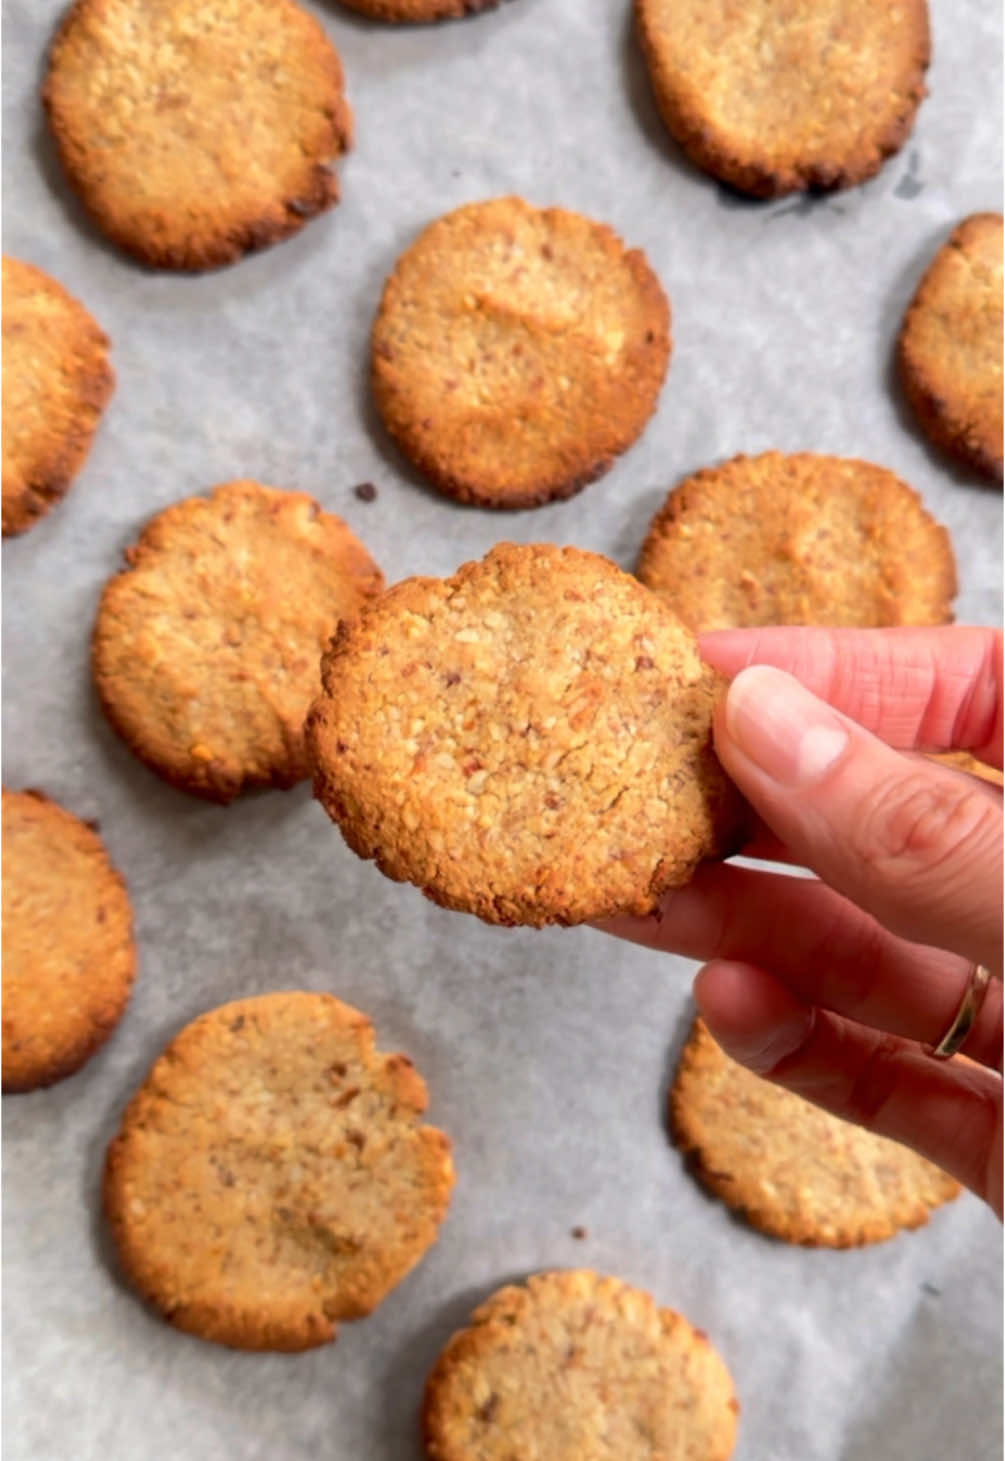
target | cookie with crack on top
[
  {"x": 778, "y": 96},
  {"x": 417, "y": 11},
  {"x": 950, "y": 346},
  {"x": 575, "y": 1366},
  {"x": 272, "y": 1175},
  {"x": 800, "y": 539},
  {"x": 56, "y": 384},
  {"x": 517, "y": 351},
  {"x": 528, "y": 740},
  {"x": 69, "y": 958},
  {"x": 791, "y": 1169},
  {"x": 207, "y": 647},
  {"x": 196, "y": 132}
]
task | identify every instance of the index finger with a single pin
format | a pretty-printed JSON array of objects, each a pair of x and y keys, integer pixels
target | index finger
[{"x": 918, "y": 689}]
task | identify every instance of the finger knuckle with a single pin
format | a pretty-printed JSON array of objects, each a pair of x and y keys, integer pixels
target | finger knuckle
[
  {"x": 925, "y": 824},
  {"x": 874, "y": 1081}
]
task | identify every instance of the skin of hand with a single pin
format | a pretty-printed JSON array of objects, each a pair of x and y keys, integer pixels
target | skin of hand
[{"x": 834, "y": 986}]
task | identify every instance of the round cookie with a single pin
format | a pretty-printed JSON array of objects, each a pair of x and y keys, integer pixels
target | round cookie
[
  {"x": 791, "y": 1169},
  {"x": 950, "y": 346},
  {"x": 529, "y": 740},
  {"x": 207, "y": 647},
  {"x": 56, "y": 382},
  {"x": 517, "y": 351},
  {"x": 416, "y": 11},
  {"x": 68, "y": 953},
  {"x": 800, "y": 539},
  {"x": 195, "y": 133},
  {"x": 573, "y": 1366},
  {"x": 272, "y": 1175},
  {"x": 776, "y": 96}
]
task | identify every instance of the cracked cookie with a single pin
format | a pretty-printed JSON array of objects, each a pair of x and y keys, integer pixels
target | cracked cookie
[
  {"x": 272, "y": 1175},
  {"x": 574, "y": 1366},
  {"x": 196, "y": 132},
  {"x": 517, "y": 351},
  {"x": 207, "y": 647},
  {"x": 529, "y": 740},
  {"x": 800, "y": 539}
]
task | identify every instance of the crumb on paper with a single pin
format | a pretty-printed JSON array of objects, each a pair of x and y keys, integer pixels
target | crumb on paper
[{"x": 366, "y": 492}]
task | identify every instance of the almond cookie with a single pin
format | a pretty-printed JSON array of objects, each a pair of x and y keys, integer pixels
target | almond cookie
[
  {"x": 56, "y": 382},
  {"x": 517, "y": 351},
  {"x": 529, "y": 740},
  {"x": 414, "y": 11},
  {"x": 196, "y": 132},
  {"x": 207, "y": 647},
  {"x": 68, "y": 953},
  {"x": 791, "y": 1169},
  {"x": 775, "y": 96},
  {"x": 272, "y": 1175},
  {"x": 573, "y": 1366},
  {"x": 801, "y": 539},
  {"x": 951, "y": 345}
]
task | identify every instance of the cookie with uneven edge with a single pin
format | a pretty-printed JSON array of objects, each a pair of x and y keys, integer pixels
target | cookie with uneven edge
[
  {"x": 196, "y": 132},
  {"x": 68, "y": 953},
  {"x": 207, "y": 647},
  {"x": 56, "y": 383},
  {"x": 777, "y": 96},
  {"x": 950, "y": 346},
  {"x": 517, "y": 351},
  {"x": 574, "y": 1366},
  {"x": 272, "y": 1175},
  {"x": 416, "y": 11},
  {"x": 802, "y": 539},
  {"x": 529, "y": 740},
  {"x": 791, "y": 1169}
]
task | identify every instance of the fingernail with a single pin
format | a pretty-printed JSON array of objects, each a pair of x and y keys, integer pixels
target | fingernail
[{"x": 788, "y": 733}]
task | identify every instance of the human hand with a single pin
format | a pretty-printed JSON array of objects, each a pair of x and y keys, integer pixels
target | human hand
[{"x": 833, "y": 988}]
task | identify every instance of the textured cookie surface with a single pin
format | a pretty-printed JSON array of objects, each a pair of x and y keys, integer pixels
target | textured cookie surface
[
  {"x": 800, "y": 539},
  {"x": 196, "y": 132},
  {"x": 517, "y": 351},
  {"x": 56, "y": 381},
  {"x": 573, "y": 1366},
  {"x": 68, "y": 952},
  {"x": 272, "y": 1174},
  {"x": 419, "y": 10},
  {"x": 792, "y": 1169},
  {"x": 774, "y": 96},
  {"x": 529, "y": 740},
  {"x": 207, "y": 647},
  {"x": 951, "y": 345}
]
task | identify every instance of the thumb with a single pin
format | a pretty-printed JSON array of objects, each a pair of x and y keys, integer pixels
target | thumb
[{"x": 915, "y": 844}]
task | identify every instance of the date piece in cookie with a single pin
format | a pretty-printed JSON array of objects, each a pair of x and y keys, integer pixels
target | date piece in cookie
[
  {"x": 800, "y": 539},
  {"x": 517, "y": 351},
  {"x": 416, "y": 11},
  {"x": 574, "y": 1366},
  {"x": 951, "y": 346},
  {"x": 56, "y": 382},
  {"x": 207, "y": 647},
  {"x": 791, "y": 1169},
  {"x": 529, "y": 740},
  {"x": 777, "y": 96},
  {"x": 68, "y": 953},
  {"x": 272, "y": 1175},
  {"x": 195, "y": 132}
]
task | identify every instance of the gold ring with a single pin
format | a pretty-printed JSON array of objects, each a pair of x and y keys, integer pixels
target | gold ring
[{"x": 966, "y": 1016}]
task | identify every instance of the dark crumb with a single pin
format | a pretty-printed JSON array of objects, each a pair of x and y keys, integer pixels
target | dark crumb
[
  {"x": 578, "y": 1232},
  {"x": 929, "y": 1288},
  {"x": 366, "y": 492}
]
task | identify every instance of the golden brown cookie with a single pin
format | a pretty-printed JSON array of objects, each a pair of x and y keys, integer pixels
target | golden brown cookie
[
  {"x": 951, "y": 345},
  {"x": 801, "y": 539},
  {"x": 68, "y": 953},
  {"x": 415, "y": 11},
  {"x": 272, "y": 1174},
  {"x": 793, "y": 1170},
  {"x": 195, "y": 132},
  {"x": 56, "y": 381},
  {"x": 517, "y": 351},
  {"x": 573, "y": 1366},
  {"x": 775, "y": 96},
  {"x": 529, "y": 740},
  {"x": 207, "y": 647}
]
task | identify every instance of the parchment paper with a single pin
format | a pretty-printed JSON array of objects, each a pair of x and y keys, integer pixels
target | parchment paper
[{"x": 547, "y": 1054}]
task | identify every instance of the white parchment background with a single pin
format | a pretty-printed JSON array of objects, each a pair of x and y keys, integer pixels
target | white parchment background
[{"x": 547, "y": 1054}]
